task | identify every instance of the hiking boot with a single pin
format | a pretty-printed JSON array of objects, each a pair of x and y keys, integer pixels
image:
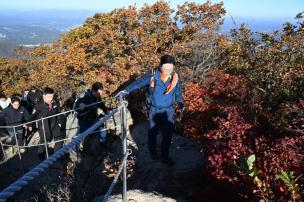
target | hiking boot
[
  {"x": 153, "y": 154},
  {"x": 168, "y": 161}
]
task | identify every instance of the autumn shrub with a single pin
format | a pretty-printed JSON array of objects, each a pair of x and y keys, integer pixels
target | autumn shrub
[
  {"x": 221, "y": 115},
  {"x": 272, "y": 65}
]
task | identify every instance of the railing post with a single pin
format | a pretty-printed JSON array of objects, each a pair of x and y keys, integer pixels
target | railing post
[
  {"x": 44, "y": 137},
  {"x": 18, "y": 149},
  {"x": 4, "y": 153},
  {"x": 123, "y": 120},
  {"x": 17, "y": 143}
]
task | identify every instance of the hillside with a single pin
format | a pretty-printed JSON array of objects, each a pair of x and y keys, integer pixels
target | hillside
[{"x": 36, "y": 27}]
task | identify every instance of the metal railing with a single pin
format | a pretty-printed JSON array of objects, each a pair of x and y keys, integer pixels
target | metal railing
[
  {"x": 73, "y": 145},
  {"x": 45, "y": 143}
]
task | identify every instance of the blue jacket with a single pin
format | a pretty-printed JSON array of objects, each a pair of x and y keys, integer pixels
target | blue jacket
[{"x": 157, "y": 97}]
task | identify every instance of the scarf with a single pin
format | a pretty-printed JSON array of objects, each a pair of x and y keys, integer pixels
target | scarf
[
  {"x": 50, "y": 106},
  {"x": 164, "y": 78}
]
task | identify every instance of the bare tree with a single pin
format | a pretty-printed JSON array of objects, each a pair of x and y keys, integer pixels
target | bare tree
[{"x": 201, "y": 53}]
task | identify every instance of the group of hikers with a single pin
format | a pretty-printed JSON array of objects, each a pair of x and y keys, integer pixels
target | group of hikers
[
  {"x": 164, "y": 92},
  {"x": 35, "y": 105},
  {"x": 21, "y": 109}
]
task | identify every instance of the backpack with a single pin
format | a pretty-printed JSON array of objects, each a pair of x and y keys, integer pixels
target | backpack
[
  {"x": 148, "y": 91},
  {"x": 149, "y": 88}
]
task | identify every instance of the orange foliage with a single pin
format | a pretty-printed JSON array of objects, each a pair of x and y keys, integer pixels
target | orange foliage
[{"x": 114, "y": 47}]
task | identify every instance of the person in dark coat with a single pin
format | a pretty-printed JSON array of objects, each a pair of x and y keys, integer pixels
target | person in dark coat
[
  {"x": 15, "y": 114},
  {"x": 164, "y": 92},
  {"x": 50, "y": 126},
  {"x": 4, "y": 101},
  {"x": 34, "y": 96},
  {"x": 87, "y": 116}
]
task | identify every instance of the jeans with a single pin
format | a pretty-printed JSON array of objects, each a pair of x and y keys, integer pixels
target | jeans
[{"x": 161, "y": 119}]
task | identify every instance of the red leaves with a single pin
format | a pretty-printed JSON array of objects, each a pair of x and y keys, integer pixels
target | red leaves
[
  {"x": 217, "y": 115},
  {"x": 224, "y": 85},
  {"x": 193, "y": 96}
]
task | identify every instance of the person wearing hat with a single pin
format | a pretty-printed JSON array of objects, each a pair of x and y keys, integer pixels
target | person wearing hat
[
  {"x": 164, "y": 92},
  {"x": 87, "y": 116}
]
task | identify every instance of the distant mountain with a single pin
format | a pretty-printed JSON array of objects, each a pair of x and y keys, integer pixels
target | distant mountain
[
  {"x": 59, "y": 19},
  {"x": 35, "y": 27},
  {"x": 265, "y": 25},
  {"x": 46, "y": 26}
]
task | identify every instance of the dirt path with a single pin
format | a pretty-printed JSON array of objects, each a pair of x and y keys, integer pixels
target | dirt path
[{"x": 154, "y": 179}]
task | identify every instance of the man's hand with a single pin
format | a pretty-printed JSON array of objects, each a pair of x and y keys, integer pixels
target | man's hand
[
  {"x": 27, "y": 127},
  {"x": 82, "y": 106},
  {"x": 121, "y": 94},
  {"x": 179, "y": 115}
]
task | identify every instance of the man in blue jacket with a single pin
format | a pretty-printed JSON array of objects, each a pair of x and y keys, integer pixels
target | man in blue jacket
[{"x": 164, "y": 92}]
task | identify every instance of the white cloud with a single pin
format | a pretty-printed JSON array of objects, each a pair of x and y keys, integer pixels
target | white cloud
[
  {"x": 32, "y": 35},
  {"x": 10, "y": 29},
  {"x": 2, "y": 36}
]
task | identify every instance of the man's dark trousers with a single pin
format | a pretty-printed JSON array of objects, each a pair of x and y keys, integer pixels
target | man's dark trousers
[{"x": 161, "y": 119}]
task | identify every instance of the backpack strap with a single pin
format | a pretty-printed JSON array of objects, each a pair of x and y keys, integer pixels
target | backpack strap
[{"x": 152, "y": 78}]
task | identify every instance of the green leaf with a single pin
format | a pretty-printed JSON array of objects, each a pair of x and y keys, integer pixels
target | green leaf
[
  {"x": 284, "y": 177},
  {"x": 250, "y": 161},
  {"x": 287, "y": 175}
]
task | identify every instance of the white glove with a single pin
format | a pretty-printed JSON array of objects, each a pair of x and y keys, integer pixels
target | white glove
[{"x": 121, "y": 93}]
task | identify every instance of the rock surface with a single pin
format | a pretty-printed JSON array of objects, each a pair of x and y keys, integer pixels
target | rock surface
[
  {"x": 138, "y": 196},
  {"x": 155, "y": 179}
]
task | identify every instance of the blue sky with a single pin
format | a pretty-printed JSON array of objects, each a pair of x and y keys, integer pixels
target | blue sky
[{"x": 284, "y": 9}]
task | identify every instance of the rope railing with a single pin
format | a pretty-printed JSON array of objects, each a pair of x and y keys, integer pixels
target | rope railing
[{"x": 72, "y": 145}]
